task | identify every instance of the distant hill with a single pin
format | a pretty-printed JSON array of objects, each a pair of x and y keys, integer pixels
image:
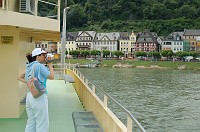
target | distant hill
[{"x": 161, "y": 16}]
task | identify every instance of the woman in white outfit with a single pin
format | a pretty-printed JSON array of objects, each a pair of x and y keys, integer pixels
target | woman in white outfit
[{"x": 37, "y": 108}]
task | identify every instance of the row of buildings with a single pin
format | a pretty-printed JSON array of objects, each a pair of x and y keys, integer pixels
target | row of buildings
[{"x": 130, "y": 42}]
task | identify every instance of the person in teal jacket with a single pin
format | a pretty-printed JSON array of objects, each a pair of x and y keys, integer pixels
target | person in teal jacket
[{"x": 37, "y": 108}]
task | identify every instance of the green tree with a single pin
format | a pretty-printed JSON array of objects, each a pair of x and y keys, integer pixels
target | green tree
[
  {"x": 85, "y": 53},
  {"x": 150, "y": 54},
  {"x": 194, "y": 54},
  {"x": 66, "y": 52},
  {"x": 170, "y": 53},
  {"x": 95, "y": 53},
  {"x": 171, "y": 4},
  {"x": 106, "y": 53},
  {"x": 74, "y": 53},
  {"x": 91, "y": 9},
  {"x": 167, "y": 53},
  {"x": 186, "y": 11},
  {"x": 76, "y": 16},
  {"x": 118, "y": 53},
  {"x": 159, "y": 11},
  {"x": 140, "y": 53},
  {"x": 161, "y": 16},
  {"x": 78, "y": 52},
  {"x": 156, "y": 54},
  {"x": 181, "y": 54}
]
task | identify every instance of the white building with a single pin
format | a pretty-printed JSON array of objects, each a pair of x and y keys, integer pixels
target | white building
[
  {"x": 106, "y": 41},
  {"x": 174, "y": 41},
  {"x": 84, "y": 40}
]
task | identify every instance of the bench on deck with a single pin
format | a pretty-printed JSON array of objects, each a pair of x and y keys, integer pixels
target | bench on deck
[{"x": 86, "y": 122}]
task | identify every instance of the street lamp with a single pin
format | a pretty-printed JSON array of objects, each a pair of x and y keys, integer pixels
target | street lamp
[{"x": 63, "y": 40}]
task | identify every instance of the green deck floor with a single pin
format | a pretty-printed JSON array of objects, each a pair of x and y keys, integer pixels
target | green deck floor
[{"x": 63, "y": 100}]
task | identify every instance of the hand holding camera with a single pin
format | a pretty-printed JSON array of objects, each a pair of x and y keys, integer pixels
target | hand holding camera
[{"x": 50, "y": 58}]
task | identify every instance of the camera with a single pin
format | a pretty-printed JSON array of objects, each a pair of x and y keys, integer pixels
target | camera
[{"x": 50, "y": 57}]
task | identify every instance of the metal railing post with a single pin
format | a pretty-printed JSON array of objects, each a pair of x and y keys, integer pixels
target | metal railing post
[
  {"x": 93, "y": 88},
  {"x": 129, "y": 124},
  {"x": 86, "y": 81},
  {"x": 83, "y": 78},
  {"x": 36, "y": 7},
  {"x": 58, "y": 10},
  {"x": 105, "y": 101}
]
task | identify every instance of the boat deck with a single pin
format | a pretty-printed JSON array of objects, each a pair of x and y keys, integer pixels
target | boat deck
[{"x": 63, "y": 101}]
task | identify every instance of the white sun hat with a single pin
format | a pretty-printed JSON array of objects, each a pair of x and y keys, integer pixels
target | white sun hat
[{"x": 38, "y": 51}]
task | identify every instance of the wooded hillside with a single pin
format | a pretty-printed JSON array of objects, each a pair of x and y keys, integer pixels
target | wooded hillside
[{"x": 161, "y": 16}]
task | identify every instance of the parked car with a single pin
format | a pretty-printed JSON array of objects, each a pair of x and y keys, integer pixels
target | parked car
[
  {"x": 198, "y": 58},
  {"x": 188, "y": 58},
  {"x": 140, "y": 57}
]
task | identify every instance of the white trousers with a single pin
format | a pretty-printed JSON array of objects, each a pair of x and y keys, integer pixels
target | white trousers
[{"x": 37, "y": 111}]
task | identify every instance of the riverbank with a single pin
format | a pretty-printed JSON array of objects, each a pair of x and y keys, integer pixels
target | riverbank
[
  {"x": 152, "y": 64},
  {"x": 140, "y": 64}
]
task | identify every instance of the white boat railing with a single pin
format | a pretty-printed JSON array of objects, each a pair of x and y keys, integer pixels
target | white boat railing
[{"x": 131, "y": 120}]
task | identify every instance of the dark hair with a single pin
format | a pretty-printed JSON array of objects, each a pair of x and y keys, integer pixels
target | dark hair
[
  {"x": 30, "y": 58},
  {"x": 34, "y": 58}
]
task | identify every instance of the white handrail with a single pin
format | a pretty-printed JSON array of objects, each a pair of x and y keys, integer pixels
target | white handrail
[
  {"x": 130, "y": 118},
  {"x": 48, "y": 2}
]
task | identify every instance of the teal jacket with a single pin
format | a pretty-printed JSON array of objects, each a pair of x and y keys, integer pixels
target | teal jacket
[{"x": 41, "y": 72}]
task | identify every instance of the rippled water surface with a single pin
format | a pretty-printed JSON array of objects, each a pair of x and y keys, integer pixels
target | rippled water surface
[{"x": 161, "y": 100}]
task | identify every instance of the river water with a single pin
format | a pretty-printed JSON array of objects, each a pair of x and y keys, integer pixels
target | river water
[{"x": 161, "y": 100}]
